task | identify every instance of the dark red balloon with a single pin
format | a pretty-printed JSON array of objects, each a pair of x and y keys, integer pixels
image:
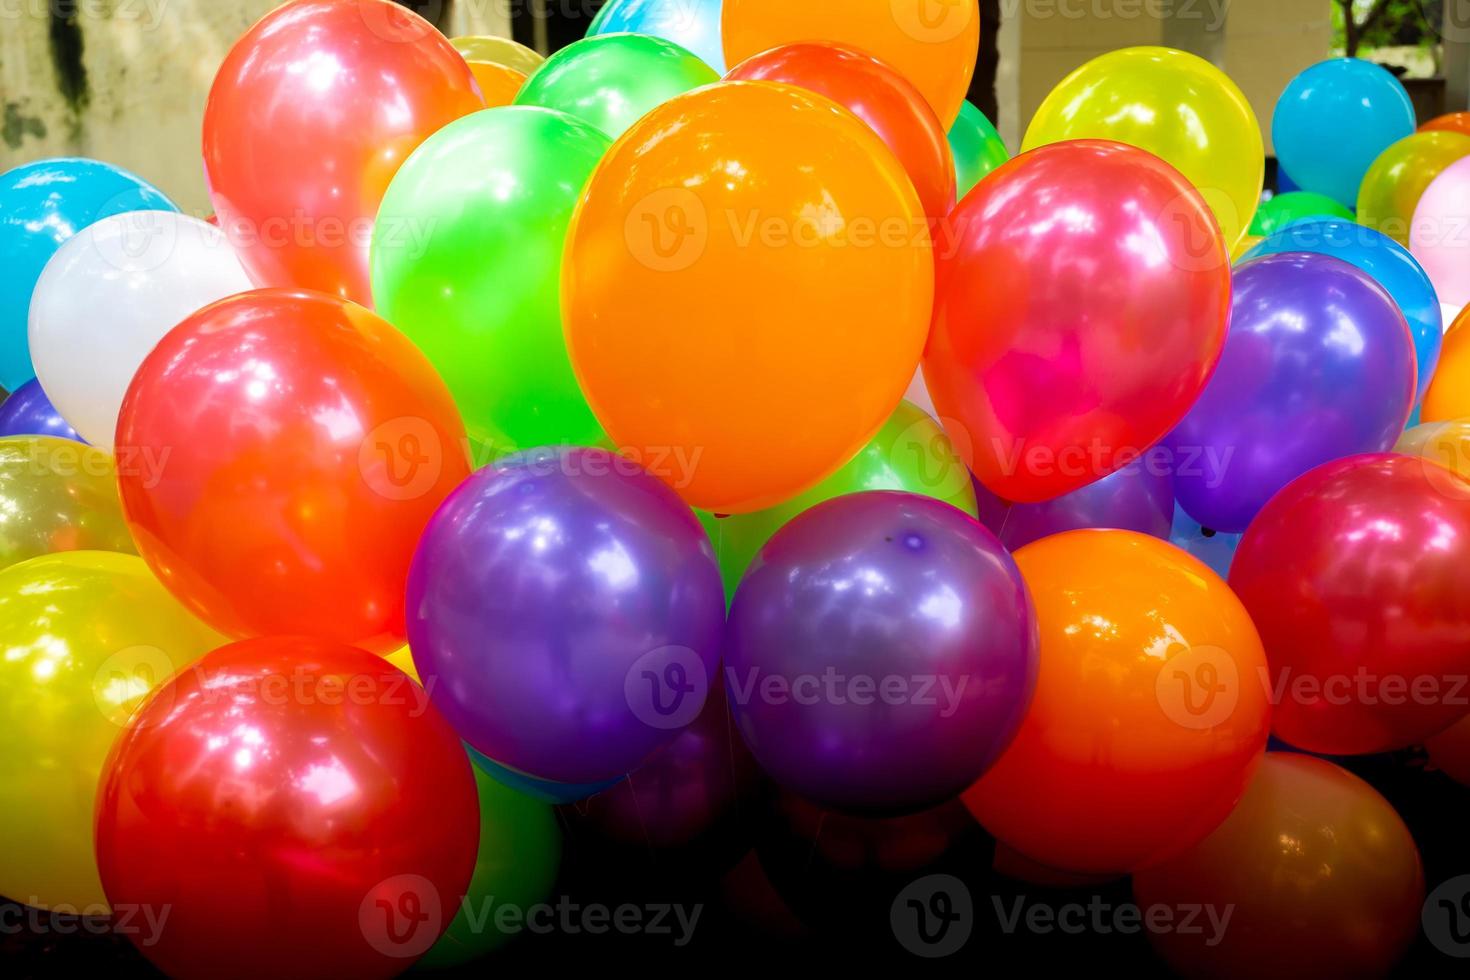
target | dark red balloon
[
  {"x": 1355, "y": 576},
  {"x": 287, "y": 808},
  {"x": 878, "y": 95}
]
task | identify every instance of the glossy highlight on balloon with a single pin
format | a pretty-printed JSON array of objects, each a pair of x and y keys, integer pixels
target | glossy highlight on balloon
[{"x": 692, "y": 24}]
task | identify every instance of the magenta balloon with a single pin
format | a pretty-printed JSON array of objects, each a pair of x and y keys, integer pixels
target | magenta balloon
[
  {"x": 1319, "y": 364},
  {"x": 1139, "y": 497},
  {"x": 569, "y": 605},
  {"x": 880, "y": 652}
]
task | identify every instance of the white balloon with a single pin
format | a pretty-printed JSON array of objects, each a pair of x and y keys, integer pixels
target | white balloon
[
  {"x": 108, "y": 296},
  {"x": 918, "y": 394},
  {"x": 1448, "y": 313}
]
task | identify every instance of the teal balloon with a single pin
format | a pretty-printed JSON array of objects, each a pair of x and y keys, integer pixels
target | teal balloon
[
  {"x": 613, "y": 80},
  {"x": 977, "y": 148}
]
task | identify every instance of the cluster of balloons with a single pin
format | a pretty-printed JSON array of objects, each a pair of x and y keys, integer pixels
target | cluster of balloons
[{"x": 533, "y": 431}]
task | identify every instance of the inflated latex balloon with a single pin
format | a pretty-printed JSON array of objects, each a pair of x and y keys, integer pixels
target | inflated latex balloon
[
  {"x": 1449, "y": 751},
  {"x": 933, "y": 46},
  {"x": 1215, "y": 548},
  {"x": 312, "y": 112},
  {"x": 500, "y": 65},
  {"x": 1312, "y": 874},
  {"x": 570, "y": 606},
  {"x": 27, "y": 411},
  {"x": 1176, "y": 106},
  {"x": 1334, "y": 119},
  {"x": 1374, "y": 660},
  {"x": 1448, "y": 397},
  {"x": 86, "y": 636},
  {"x": 42, "y": 204},
  {"x": 1291, "y": 392},
  {"x": 1452, "y": 122},
  {"x": 877, "y": 95},
  {"x": 691, "y": 24},
  {"x": 976, "y": 147},
  {"x": 880, "y": 652},
  {"x": 1238, "y": 253},
  {"x": 517, "y": 864},
  {"x": 58, "y": 495},
  {"x": 300, "y": 444},
  {"x": 911, "y": 452},
  {"x": 1283, "y": 209},
  {"x": 1077, "y": 316},
  {"x": 1440, "y": 234},
  {"x": 1149, "y": 701},
  {"x": 612, "y": 80},
  {"x": 1445, "y": 443},
  {"x": 1396, "y": 182},
  {"x": 1390, "y": 265},
  {"x": 467, "y": 261},
  {"x": 1139, "y": 497},
  {"x": 755, "y": 405},
  {"x": 109, "y": 295},
  {"x": 297, "y": 805}
]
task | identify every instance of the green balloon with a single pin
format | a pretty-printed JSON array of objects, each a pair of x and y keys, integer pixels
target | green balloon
[
  {"x": 976, "y": 146},
  {"x": 613, "y": 80},
  {"x": 1283, "y": 209},
  {"x": 520, "y": 854},
  {"x": 466, "y": 260},
  {"x": 911, "y": 452}
]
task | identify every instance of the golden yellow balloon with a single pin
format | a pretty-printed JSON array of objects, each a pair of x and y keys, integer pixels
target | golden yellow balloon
[
  {"x": 1399, "y": 177},
  {"x": 1177, "y": 107},
  {"x": 84, "y": 636},
  {"x": 500, "y": 65},
  {"x": 1243, "y": 246},
  {"x": 57, "y": 495}
]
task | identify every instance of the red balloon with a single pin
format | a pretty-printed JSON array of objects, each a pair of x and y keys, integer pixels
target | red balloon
[
  {"x": 295, "y": 807},
  {"x": 310, "y": 116},
  {"x": 1081, "y": 306},
  {"x": 1355, "y": 576},
  {"x": 282, "y": 452},
  {"x": 878, "y": 95}
]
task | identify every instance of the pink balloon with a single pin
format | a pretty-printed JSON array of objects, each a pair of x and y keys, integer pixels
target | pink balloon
[{"x": 1440, "y": 234}]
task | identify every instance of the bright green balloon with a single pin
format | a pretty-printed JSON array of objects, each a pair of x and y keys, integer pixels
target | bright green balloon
[
  {"x": 613, "y": 80},
  {"x": 1283, "y": 209},
  {"x": 911, "y": 452},
  {"x": 520, "y": 853},
  {"x": 466, "y": 260},
  {"x": 976, "y": 146}
]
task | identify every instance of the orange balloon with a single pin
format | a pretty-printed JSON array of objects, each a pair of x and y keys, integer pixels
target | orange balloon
[
  {"x": 1312, "y": 875},
  {"x": 1149, "y": 712},
  {"x": 1448, "y": 396},
  {"x": 933, "y": 44},
  {"x": 1454, "y": 122},
  {"x": 500, "y": 65},
  {"x": 498, "y": 84},
  {"x": 746, "y": 291}
]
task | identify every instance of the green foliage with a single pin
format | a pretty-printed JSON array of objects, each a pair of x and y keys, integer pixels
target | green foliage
[{"x": 1398, "y": 22}]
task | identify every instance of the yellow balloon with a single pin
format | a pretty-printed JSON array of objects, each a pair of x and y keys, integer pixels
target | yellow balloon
[
  {"x": 57, "y": 495},
  {"x": 1243, "y": 246},
  {"x": 1174, "y": 105},
  {"x": 402, "y": 658},
  {"x": 488, "y": 50},
  {"x": 84, "y": 636},
  {"x": 1399, "y": 177}
]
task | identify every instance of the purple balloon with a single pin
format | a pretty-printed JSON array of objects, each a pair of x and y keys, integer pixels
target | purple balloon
[
  {"x": 568, "y": 606},
  {"x": 880, "y": 653},
  {"x": 1139, "y": 497},
  {"x": 1319, "y": 364},
  {"x": 28, "y": 412}
]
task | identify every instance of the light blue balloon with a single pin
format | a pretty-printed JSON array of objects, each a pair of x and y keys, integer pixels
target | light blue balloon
[
  {"x": 42, "y": 204},
  {"x": 1333, "y": 121},
  {"x": 691, "y": 24},
  {"x": 1388, "y": 262},
  {"x": 1214, "y": 549}
]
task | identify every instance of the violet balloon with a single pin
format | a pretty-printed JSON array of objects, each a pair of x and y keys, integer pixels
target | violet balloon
[
  {"x": 569, "y": 604},
  {"x": 1319, "y": 364},
  {"x": 1139, "y": 497},
  {"x": 28, "y": 412},
  {"x": 880, "y": 653}
]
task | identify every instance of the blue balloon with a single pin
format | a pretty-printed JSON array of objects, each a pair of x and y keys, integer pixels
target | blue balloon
[
  {"x": 1215, "y": 549},
  {"x": 1388, "y": 262},
  {"x": 43, "y": 204},
  {"x": 28, "y": 412},
  {"x": 691, "y": 24},
  {"x": 543, "y": 790},
  {"x": 1333, "y": 121},
  {"x": 1284, "y": 183}
]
